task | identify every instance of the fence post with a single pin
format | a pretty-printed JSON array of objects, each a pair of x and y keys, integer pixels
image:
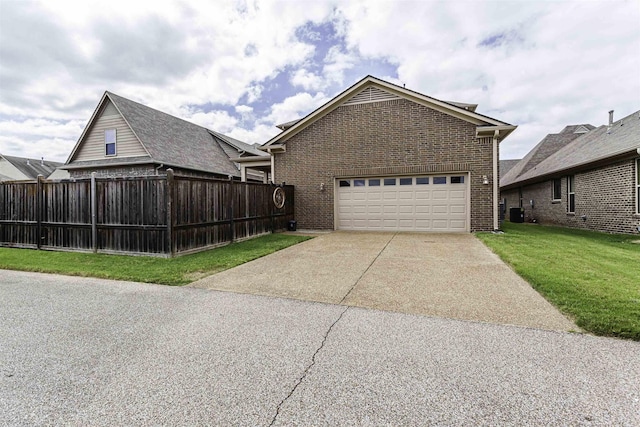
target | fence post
[
  {"x": 272, "y": 209},
  {"x": 231, "y": 210},
  {"x": 39, "y": 197},
  {"x": 170, "y": 217},
  {"x": 94, "y": 213}
]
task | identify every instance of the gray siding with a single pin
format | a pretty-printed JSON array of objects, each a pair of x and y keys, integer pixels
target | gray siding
[{"x": 92, "y": 147}]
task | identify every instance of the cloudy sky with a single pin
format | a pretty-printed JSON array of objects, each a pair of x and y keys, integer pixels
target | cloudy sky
[{"x": 241, "y": 67}]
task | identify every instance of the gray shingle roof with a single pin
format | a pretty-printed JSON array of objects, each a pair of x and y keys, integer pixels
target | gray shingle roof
[
  {"x": 174, "y": 141},
  {"x": 33, "y": 167},
  {"x": 238, "y": 145},
  {"x": 597, "y": 145},
  {"x": 507, "y": 164},
  {"x": 545, "y": 148}
]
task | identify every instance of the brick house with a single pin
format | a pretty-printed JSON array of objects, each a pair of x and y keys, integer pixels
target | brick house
[
  {"x": 586, "y": 178},
  {"x": 125, "y": 138},
  {"x": 381, "y": 157}
]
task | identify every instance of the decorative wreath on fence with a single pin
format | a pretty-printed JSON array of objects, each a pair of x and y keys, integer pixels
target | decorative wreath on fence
[{"x": 278, "y": 197}]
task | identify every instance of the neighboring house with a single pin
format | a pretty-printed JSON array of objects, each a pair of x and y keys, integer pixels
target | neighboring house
[
  {"x": 507, "y": 165},
  {"x": 125, "y": 138},
  {"x": 14, "y": 168},
  {"x": 588, "y": 179},
  {"x": 382, "y": 157}
]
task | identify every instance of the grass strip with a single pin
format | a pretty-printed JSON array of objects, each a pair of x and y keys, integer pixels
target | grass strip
[
  {"x": 592, "y": 277},
  {"x": 166, "y": 271}
]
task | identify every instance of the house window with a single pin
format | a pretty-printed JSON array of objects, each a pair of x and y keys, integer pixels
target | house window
[
  {"x": 345, "y": 183},
  {"x": 557, "y": 189},
  {"x": 406, "y": 181},
  {"x": 389, "y": 181},
  {"x": 110, "y": 142},
  {"x": 520, "y": 196},
  {"x": 457, "y": 179},
  {"x": 358, "y": 182},
  {"x": 423, "y": 180},
  {"x": 374, "y": 183},
  {"x": 571, "y": 202},
  {"x": 638, "y": 186}
]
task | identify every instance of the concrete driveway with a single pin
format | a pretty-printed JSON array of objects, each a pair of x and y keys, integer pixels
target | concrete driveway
[{"x": 445, "y": 275}]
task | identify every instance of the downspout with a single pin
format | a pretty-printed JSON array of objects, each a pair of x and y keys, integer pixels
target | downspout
[
  {"x": 273, "y": 167},
  {"x": 158, "y": 168},
  {"x": 496, "y": 206}
]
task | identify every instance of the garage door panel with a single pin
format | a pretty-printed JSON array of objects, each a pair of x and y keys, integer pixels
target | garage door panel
[
  {"x": 440, "y": 209},
  {"x": 440, "y": 194},
  {"x": 421, "y": 203}
]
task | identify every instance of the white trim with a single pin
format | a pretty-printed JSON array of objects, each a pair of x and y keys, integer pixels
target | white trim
[{"x": 571, "y": 190}]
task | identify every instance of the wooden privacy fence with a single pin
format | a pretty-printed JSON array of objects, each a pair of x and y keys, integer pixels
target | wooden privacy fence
[{"x": 153, "y": 215}]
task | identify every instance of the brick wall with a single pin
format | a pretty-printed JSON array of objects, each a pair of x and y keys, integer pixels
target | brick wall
[
  {"x": 383, "y": 138},
  {"x": 606, "y": 196}
]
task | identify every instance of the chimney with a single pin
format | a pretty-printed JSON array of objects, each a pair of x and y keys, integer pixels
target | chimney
[{"x": 610, "y": 117}]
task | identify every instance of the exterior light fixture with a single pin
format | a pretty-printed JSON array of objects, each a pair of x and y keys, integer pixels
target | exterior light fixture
[
  {"x": 485, "y": 179},
  {"x": 322, "y": 187}
]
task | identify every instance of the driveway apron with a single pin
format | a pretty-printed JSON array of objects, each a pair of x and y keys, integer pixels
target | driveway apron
[{"x": 444, "y": 275}]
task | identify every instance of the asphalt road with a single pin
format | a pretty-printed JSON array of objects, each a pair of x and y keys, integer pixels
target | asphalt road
[{"x": 77, "y": 351}]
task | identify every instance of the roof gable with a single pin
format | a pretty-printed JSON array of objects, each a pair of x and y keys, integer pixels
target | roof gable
[
  {"x": 167, "y": 139},
  {"x": 372, "y": 89},
  {"x": 91, "y": 145}
]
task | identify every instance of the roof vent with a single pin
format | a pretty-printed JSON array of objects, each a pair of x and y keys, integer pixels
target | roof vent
[
  {"x": 610, "y": 117},
  {"x": 41, "y": 161},
  {"x": 28, "y": 164}
]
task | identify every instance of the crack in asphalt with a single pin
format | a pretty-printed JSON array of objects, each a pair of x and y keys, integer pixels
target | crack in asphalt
[
  {"x": 326, "y": 335},
  {"x": 306, "y": 371}
]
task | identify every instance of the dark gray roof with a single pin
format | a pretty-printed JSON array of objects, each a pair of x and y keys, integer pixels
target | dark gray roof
[
  {"x": 33, "y": 167},
  {"x": 238, "y": 145},
  {"x": 545, "y": 148},
  {"x": 174, "y": 141},
  {"x": 507, "y": 164},
  {"x": 600, "y": 144}
]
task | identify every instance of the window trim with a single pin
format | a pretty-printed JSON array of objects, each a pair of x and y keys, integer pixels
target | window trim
[
  {"x": 571, "y": 193},
  {"x": 553, "y": 190},
  {"x": 638, "y": 186},
  {"x": 115, "y": 143}
]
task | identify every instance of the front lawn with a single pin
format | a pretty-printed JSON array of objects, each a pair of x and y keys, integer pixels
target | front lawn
[
  {"x": 175, "y": 271},
  {"x": 592, "y": 277}
]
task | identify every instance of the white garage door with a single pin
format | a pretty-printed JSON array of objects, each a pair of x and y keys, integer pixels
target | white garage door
[{"x": 418, "y": 203}]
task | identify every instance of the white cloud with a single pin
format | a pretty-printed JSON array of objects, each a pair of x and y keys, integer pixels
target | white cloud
[
  {"x": 541, "y": 65},
  {"x": 294, "y": 107},
  {"x": 307, "y": 80}
]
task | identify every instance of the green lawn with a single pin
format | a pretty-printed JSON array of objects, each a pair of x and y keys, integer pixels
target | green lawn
[
  {"x": 175, "y": 271},
  {"x": 592, "y": 277}
]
